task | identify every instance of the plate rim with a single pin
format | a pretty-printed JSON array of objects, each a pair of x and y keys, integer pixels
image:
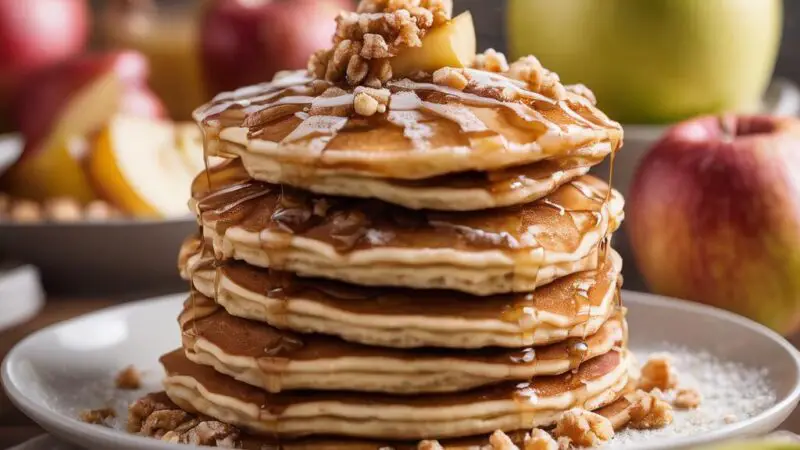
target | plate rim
[{"x": 74, "y": 430}]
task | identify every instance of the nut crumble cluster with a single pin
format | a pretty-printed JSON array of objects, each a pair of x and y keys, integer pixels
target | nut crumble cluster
[{"x": 365, "y": 40}]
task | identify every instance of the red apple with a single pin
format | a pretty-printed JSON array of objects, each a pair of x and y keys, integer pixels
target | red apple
[
  {"x": 37, "y": 33},
  {"x": 244, "y": 42},
  {"x": 714, "y": 216},
  {"x": 62, "y": 105}
]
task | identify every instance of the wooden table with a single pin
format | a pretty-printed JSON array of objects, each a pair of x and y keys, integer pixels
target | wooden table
[{"x": 15, "y": 428}]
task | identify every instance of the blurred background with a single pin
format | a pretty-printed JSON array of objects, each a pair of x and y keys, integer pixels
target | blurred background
[{"x": 97, "y": 143}]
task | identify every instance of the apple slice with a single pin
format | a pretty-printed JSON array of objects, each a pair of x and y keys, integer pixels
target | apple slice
[
  {"x": 137, "y": 166},
  {"x": 62, "y": 106},
  {"x": 451, "y": 45}
]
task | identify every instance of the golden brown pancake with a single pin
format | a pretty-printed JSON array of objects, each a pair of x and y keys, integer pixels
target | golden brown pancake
[
  {"x": 427, "y": 130},
  {"x": 277, "y": 360},
  {"x": 506, "y": 406},
  {"x": 572, "y": 306},
  {"x": 369, "y": 242}
]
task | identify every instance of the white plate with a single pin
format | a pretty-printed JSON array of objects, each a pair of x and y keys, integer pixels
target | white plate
[
  {"x": 66, "y": 368},
  {"x": 96, "y": 258}
]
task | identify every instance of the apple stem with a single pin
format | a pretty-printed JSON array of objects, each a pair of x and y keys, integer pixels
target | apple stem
[{"x": 727, "y": 124}]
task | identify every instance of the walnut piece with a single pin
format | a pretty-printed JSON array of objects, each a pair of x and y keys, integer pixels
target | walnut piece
[
  {"x": 584, "y": 428},
  {"x": 647, "y": 411},
  {"x": 730, "y": 418},
  {"x": 501, "y": 441},
  {"x": 540, "y": 440},
  {"x": 687, "y": 399},
  {"x": 369, "y": 101},
  {"x": 379, "y": 30},
  {"x": 429, "y": 445},
  {"x": 491, "y": 61},
  {"x": 450, "y": 77},
  {"x": 129, "y": 378},
  {"x": 100, "y": 416},
  {"x": 157, "y": 417},
  {"x": 658, "y": 373},
  {"x": 539, "y": 79}
]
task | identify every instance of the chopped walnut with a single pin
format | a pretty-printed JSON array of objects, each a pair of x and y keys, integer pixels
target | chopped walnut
[
  {"x": 369, "y": 101},
  {"x": 687, "y": 399},
  {"x": 379, "y": 30},
  {"x": 375, "y": 47},
  {"x": 450, "y": 77},
  {"x": 730, "y": 418},
  {"x": 583, "y": 91},
  {"x": 647, "y": 411},
  {"x": 501, "y": 441},
  {"x": 129, "y": 378},
  {"x": 658, "y": 373},
  {"x": 491, "y": 61},
  {"x": 540, "y": 440},
  {"x": 539, "y": 79},
  {"x": 584, "y": 428},
  {"x": 564, "y": 443},
  {"x": 429, "y": 445},
  {"x": 101, "y": 416}
]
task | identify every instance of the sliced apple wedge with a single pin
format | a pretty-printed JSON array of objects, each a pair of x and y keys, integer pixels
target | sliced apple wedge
[
  {"x": 136, "y": 165},
  {"x": 65, "y": 104},
  {"x": 451, "y": 45}
]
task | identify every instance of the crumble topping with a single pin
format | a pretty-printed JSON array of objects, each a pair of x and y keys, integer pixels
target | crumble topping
[
  {"x": 128, "y": 378},
  {"x": 102, "y": 416},
  {"x": 491, "y": 61},
  {"x": 540, "y": 440},
  {"x": 658, "y": 373},
  {"x": 584, "y": 428},
  {"x": 648, "y": 411},
  {"x": 687, "y": 399},
  {"x": 365, "y": 40},
  {"x": 157, "y": 417}
]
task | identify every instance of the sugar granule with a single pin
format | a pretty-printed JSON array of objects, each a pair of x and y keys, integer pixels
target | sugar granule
[{"x": 728, "y": 389}]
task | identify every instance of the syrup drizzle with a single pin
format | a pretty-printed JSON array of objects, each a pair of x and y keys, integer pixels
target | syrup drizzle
[{"x": 411, "y": 104}]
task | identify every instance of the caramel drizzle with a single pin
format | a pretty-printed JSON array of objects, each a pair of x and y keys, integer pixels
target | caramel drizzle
[{"x": 408, "y": 96}]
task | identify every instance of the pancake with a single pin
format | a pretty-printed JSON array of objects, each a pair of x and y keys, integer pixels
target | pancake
[
  {"x": 505, "y": 406},
  {"x": 617, "y": 412},
  {"x": 427, "y": 130},
  {"x": 276, "y": 360},
  {"x": 369, "y": 242},
  {"x": 572, "y": 306},
  {"x": 464, "y": 191}
]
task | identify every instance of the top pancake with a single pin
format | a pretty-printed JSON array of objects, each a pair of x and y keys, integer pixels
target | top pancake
[{"x": 427, "y": 129}]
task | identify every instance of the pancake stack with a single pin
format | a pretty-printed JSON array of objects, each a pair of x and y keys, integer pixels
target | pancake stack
[{"x": 436, "y": 267}]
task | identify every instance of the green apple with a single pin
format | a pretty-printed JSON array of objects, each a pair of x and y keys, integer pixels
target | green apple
[{"x": 655, "y": 61}]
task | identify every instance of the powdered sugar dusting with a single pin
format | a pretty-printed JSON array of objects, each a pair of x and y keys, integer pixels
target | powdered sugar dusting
[{"x": 731, "y": 392}]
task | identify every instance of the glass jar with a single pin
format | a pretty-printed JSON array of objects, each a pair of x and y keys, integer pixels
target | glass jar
[{"x": 166, "y": 31}]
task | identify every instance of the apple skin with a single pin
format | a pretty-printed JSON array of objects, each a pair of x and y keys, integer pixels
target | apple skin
[
  {"x": 716, "y": 219},
  {"x": 74, "y": 98},
  {"x": 244, "y": 42},
  {"x": 42, "y": 99},
  {"x": 35, "y": 34},
  {"x": 655, "y": 61}
]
